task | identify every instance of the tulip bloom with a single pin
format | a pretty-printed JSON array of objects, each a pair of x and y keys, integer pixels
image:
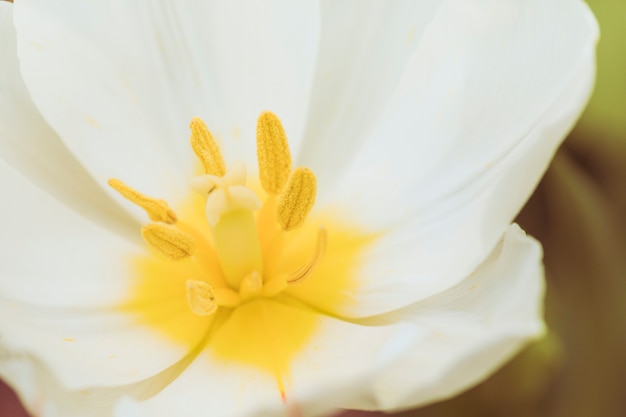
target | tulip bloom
[{"x": 274, "y": 208}]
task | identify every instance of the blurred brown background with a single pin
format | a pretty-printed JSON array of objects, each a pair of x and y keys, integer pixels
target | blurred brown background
[{"x": 579, "y": 214}]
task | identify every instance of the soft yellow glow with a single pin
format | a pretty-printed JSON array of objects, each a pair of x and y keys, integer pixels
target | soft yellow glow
[
  {"x": 273, "y": 153},
  {"x": 297, "y": 199},
  {"x": 157, "y": 210},
  {"x": 266, "y": 333},
  {"x": 159, "y": 299},
  {"x": 159, "y": 293},
  {"x": 331, "y": 283}
]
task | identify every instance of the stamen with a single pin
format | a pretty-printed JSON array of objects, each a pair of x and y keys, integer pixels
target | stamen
[
  {"x": 306, "y": 269},
  {"x": 172, "y": 243},
  {"x": 225, "y": 297},
  {"x": 206, "y": 149},
  {"x": 200, "y": 298},
  {"x": 251, "y": 285},
  {"x": 297, "y": 199},
  {"x": 273, "y": 153},
  {"x": 157, "y": 210}
]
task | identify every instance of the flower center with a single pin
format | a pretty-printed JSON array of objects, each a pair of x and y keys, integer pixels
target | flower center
[
  {"x": 249, "y": 270},
  {"x": 232, "y": 212}
]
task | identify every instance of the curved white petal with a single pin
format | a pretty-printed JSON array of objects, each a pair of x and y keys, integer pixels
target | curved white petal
[
  {"x": 364, "y": 47},
  {"x": 30, "y": 146},
  {"x": 471, "y": 329},
  {"x": 43, "y": 394},
  {"x": 230, "y": 389},
  {"x": 440, "y": 217},
  {"x": 63, "y": 282},
  {"x": 122, "y": 99}
]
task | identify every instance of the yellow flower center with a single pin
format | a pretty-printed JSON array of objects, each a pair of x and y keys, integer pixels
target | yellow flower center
[{"x": 247, "y": 270}]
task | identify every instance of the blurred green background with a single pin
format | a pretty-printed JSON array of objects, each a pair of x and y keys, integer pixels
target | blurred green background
[
  {"x": 579, "y": 214},
  {"x": 606, "y": 113}
]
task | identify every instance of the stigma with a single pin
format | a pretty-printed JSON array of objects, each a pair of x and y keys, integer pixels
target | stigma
[{"x": 242, "y": 220}]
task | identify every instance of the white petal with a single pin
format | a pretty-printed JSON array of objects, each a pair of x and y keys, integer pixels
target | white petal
[
  {"x": 43, "y": 395},
  {"x": 30, "y": 146},
  {"x": 63, "y": 282},
  {"x": 122, "y": 99},
  {"x": 440, "y": 219},
  {"x": 472, "y": 328},
  {"x": 211, "y": 385},
  {"x": 364, "y": 47},
  {"x": 483, "y": 76}
]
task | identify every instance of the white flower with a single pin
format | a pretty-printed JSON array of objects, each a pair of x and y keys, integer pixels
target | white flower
[{"x": 426, "y": 124}]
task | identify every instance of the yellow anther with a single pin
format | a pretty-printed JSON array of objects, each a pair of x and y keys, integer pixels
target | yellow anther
[
  {"x": 297, "y": 199},
  {"x": 170, "y": 242},
  {"x": 200, "y": 298},
  {"x": 306, "y": 269},
  {"x": 157, "y": 210},
  {"x": 272, "y": 152},
  {"x": 206, "y": 149}
]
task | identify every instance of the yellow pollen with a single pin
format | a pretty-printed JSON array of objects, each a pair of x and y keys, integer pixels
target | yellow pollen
[
  {"x": 167, "y": 240},
  {"x": 200, "y": 298},
  {"x": 297, "y": 199},
  {"x": 306, "y": 269},
  {"x": 273, "y": 153},
  {"x": 206, "y": 149},
  {"x": 157, "y": 210}
]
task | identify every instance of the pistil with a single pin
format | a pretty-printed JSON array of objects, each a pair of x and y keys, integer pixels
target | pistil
[{"x": 237, "y": 245}]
